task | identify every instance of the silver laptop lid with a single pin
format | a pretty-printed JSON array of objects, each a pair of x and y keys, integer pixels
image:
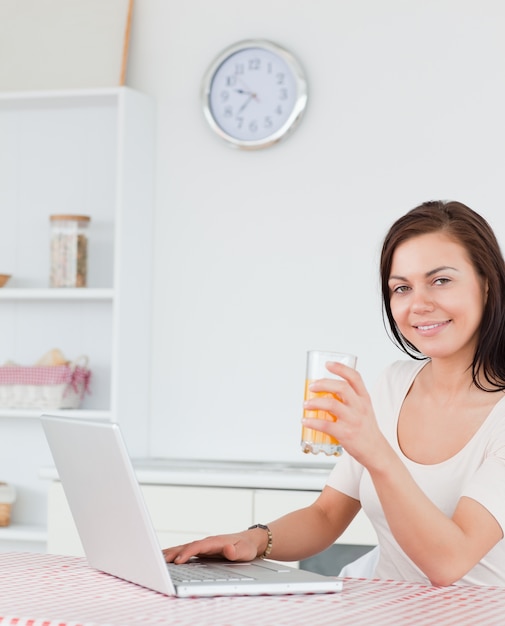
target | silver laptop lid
[{"x": 106, "y": 501}]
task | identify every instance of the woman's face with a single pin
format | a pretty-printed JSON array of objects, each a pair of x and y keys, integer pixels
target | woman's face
[{"x": 436, "y": 296}]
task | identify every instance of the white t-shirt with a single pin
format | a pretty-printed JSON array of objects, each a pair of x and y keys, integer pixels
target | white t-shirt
[{"x": 476, "y": 471}]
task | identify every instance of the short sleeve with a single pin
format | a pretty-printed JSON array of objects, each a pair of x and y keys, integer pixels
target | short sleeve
[
  {"x": 346, "y": 476},
  {"x": 487, "y": 486}
]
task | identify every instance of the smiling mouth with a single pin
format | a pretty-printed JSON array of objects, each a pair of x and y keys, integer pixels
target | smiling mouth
[{"x": 431, "y": 326}]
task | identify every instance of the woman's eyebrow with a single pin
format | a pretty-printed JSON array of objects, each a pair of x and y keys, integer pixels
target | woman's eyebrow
[
  {"x": 440, "y": 269},
  {"x": 428, "y": 274}
]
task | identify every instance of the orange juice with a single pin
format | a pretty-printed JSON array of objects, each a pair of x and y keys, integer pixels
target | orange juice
[{"x": 314, "y": 441}]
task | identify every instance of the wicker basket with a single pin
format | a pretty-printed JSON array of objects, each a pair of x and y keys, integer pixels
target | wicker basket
[{"x": 44, "y": 386}]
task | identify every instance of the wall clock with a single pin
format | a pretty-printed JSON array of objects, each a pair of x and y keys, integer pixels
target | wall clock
[{"x": 254, "y": 94}]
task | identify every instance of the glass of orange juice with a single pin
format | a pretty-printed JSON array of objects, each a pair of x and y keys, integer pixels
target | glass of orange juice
[{"x": 314, "y": 441}]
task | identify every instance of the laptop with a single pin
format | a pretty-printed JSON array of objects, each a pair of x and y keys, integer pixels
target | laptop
[{"x": 117, "y": 533}]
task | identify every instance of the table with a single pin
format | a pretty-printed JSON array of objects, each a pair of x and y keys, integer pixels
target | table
[{"x": 49, "y": 590}]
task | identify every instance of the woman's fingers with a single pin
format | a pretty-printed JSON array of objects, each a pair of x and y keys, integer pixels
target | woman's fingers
[
  {"x": 349, "y": 374},
  {"x": 231, "y": 547}
]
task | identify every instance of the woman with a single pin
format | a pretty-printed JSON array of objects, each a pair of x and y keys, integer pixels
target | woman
[{"x": 426, "y": 458}]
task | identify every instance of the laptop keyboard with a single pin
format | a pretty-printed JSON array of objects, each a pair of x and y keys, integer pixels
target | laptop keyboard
[{"x": 203, "y": 572}]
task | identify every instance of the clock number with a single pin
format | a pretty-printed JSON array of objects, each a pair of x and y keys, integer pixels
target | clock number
[
  {"x": 228, "y": 112},
  {"x": 240, "y": 121},
  {"x": 280, "y": 78},
  {"x": 231, "y": 81},
  {"x": 239, "y": 68},
  {"x": 253, "y": 126},
  {"x": 254, "y": 64},
  {"x": 224, "y": 96},
  {"x": 283, "y": 93},
  {"x": 268, "y": 123},
  {"x": 278, "y": 109}
]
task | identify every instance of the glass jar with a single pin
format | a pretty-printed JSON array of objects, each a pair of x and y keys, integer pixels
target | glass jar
[{"x": 69, "y": 250}]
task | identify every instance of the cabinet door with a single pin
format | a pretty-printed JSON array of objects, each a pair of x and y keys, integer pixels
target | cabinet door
[
  {"x": 270, "y": 504},
  {"x": 62, "y": 536},
  {"x": 179, "y": 515}
]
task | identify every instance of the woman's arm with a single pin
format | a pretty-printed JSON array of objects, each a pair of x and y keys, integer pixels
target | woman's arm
[
  {"x": 444, "y": 548},
  {"x": 295, "y": 536}
]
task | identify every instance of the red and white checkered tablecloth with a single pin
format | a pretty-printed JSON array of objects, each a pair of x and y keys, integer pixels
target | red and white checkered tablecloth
[{"x": 48, "y": 590}]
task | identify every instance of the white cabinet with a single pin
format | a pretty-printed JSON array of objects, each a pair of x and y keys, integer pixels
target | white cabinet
[
  {"x": 88, "y": 152},
  {"x": 182, "y": 513},
  {"x": 272, "y": 503}
]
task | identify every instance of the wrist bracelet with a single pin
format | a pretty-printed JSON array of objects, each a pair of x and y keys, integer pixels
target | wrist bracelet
[{"x": 268, "y": 549}]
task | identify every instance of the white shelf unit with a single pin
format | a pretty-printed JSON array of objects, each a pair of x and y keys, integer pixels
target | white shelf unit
[
  {"x": 23, "y": 538},
  {"x": 88, "y": 152}
]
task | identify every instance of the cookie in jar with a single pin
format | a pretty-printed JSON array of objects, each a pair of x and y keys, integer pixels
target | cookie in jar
[{"x": 69, "y": 250}]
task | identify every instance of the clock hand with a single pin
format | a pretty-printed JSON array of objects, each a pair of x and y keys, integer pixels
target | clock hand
[
  {"x": 251, "y": 94},
  {"x": 251, "y": 97},
  {"x": 247, "y": 90}
]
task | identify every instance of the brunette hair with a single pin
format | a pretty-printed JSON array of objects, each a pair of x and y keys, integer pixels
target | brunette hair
[{"x": 472, "y": 231}]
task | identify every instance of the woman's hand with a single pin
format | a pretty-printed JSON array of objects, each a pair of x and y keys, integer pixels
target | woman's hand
[
  {"x": 243, "y": 546},
  {"x": 355, "y": 426}
]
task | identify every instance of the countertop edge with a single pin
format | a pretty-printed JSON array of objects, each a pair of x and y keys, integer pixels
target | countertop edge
[{"x": 299, "y": 479}]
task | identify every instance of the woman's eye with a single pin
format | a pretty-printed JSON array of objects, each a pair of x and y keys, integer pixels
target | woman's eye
[
  {"x": 441, "y": 281},
  {"x": 400, "y": 289}
]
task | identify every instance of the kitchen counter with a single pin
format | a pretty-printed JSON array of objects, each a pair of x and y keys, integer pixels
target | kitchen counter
[{"x": 249, "y": 474}]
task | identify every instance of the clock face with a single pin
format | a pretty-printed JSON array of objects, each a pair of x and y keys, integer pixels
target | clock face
[{"x": 254, "y": 94}]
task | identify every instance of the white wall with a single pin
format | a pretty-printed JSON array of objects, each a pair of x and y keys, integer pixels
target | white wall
[{"x": 260, "y": 256}]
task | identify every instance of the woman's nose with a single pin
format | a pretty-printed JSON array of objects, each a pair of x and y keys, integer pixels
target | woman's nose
[{"x": 422, "y": 302}]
